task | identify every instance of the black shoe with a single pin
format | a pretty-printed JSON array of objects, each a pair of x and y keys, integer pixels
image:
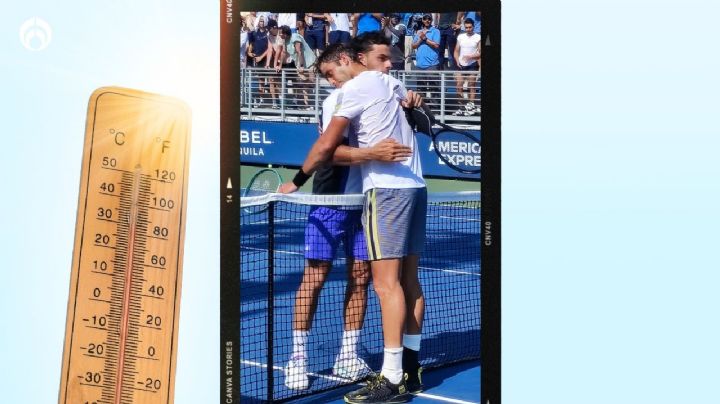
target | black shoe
[
  {"x": 379, "y": 390},
  {"x": 413, "y": 380}
]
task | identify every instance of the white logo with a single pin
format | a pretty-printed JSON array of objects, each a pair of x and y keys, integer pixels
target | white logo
[{"x": 35, "y": 34}]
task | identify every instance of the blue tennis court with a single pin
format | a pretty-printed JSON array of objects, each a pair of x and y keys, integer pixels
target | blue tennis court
[{"x": 449, "y": 273}]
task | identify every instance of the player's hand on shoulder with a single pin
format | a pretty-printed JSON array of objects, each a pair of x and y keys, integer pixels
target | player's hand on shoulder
[{"x": 287, "y": 188}]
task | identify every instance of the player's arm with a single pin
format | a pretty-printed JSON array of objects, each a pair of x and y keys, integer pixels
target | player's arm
[
  {"x": 321, "y": 152},
  {"x": 388, "y": 150}
]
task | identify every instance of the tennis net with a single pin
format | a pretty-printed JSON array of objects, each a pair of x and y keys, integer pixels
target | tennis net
[{"x": 272, "y": 261}]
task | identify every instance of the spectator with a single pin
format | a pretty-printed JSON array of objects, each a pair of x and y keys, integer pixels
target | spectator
[
  {"x": 449, "y": 26},
  {"x": 267, "y": 16},
  {"x": 273, "y": 53},
  {"x": 284, "y": 61},
  {"x": 467, "y": 54},
  {"x": 395, "y": 32},
  {"x": 300, "y": 24},
  {"x": 475, "y": 16},
  {"x": 413, "y": 22},
  {"x": 364, "y": 22},
  {"x": 426, "y": 43},
  {"x": 250, "y": 19},
  {"x": 258, "y": 44},
  {"x": 315, "y": 31},
  {"x": 289, "y": 19},
  {"x": 302, "y": 56},
  {"x": 339, "y": 28},
  {"x": 258, "y": 52},
  {"x": 243, "y": 43}
]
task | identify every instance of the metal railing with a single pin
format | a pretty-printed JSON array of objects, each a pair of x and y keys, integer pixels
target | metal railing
[{"x": 285, "y": 95}]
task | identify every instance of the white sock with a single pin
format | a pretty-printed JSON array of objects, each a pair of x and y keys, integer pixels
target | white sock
[
  {"x": 392, "y": 365},
  {"x": 412, "y": 341},
  {"x": 300, "y": 338},
  {"x": 349, "y": 343}
]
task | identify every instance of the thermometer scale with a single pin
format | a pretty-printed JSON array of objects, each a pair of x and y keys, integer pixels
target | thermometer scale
[{"x": 123, "y": 307}]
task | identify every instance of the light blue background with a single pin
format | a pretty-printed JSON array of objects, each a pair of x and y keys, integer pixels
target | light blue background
[
  {"x": 610, "y": 191},
  {"x": 166, "y": 47}
]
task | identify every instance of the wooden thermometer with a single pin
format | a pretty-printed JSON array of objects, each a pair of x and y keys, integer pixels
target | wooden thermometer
[{"x": 122, "y": 318}]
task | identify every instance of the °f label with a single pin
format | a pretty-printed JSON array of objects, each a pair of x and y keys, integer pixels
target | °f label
[{"x": 122, "y": 319}]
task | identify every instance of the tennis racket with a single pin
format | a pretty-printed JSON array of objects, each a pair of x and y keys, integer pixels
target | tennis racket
[
  {"x": 457, "y": 148},
  {"x": 264, "y": 181}
]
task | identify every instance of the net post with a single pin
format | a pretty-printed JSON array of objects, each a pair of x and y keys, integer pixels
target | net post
[{"x": 271, "y": 298}]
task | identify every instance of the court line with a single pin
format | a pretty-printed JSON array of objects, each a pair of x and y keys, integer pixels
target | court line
[
  {"x": 343, "y": 380},
  {"x": 328, "y": 377},
  {"x": 451, "y": 271},
  {"x": 441, "y": 398}
]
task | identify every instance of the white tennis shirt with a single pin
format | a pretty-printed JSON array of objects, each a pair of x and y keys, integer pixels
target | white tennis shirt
[
  {"x": 353, "y": 184},
  {"x": 371, "y": 101}
]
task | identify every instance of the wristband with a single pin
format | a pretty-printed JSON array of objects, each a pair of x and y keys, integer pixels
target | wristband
[{"x": 300, "y": 178}]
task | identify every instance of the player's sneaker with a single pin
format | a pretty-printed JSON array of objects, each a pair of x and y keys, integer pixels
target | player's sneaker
[
  {"x": 413, "y": 379},
  {"x": 350, "y": 367},
  {"x": 460, "y": 111},
  {"x": 296, "y": 377},
  {"x": 379, "y": 390}
]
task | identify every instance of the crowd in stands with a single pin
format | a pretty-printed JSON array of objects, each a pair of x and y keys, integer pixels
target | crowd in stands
[{"x": 419, "y": 42}]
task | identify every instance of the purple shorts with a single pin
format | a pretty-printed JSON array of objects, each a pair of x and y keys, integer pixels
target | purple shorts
[{"x": 327, "y": 227}]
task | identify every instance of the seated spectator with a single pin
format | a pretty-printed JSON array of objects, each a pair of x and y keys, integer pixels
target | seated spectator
[{"x": 339, "y": 28}]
